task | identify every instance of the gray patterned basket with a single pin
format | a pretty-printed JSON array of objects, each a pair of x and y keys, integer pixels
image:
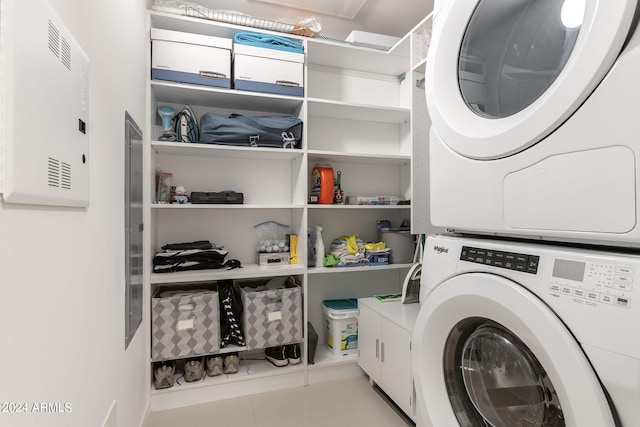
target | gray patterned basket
[
  {"x": 272, "y": 317},
  {"x": 184, "y": 323}
]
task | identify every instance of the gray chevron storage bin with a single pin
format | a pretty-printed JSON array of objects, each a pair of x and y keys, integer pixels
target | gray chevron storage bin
[
  {"x": 184, "y": 323},
  {"x": 272, "y": 313}
]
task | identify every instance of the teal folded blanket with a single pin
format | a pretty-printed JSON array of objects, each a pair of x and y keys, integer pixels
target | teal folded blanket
[{"x": 269, "y": 41}]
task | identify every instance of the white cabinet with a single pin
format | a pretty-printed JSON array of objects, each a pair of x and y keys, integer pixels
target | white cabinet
[
  {"x": 357, "y": 118},
  {"x": 384, "y": 340}
]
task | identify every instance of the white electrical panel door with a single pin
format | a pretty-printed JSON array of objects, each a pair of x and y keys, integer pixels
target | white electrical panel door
[{"x": 45, "y": 138}]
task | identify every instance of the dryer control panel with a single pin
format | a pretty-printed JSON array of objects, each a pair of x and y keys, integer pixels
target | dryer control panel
[
  {"x": 502, "y": 259},
  {"x": 593, "y": 282}
]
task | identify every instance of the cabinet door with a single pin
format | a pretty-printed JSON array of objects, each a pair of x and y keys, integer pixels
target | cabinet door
[
  {"x": 396, "y": 374},
  {"x": 369, "y": 342}
]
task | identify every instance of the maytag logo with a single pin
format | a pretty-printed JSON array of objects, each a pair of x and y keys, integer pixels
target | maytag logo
[{"x": 441, "y": 249}]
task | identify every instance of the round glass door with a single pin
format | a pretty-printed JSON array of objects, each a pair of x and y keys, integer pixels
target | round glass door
[
  {"x": 502, "y": 75},
  {"x": 495, "y": 379},
  {"x": 513, "y": 51}
]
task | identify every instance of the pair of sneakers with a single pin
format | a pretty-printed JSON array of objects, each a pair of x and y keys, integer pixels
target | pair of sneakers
[
  {"x": 283, "y": 355},
  {"x": 163, "y": 374},
  {"x": 219, "y": 364}
]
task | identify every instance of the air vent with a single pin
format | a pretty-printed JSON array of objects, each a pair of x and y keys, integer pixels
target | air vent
[
  {"x": 54, "y": 40},
  {"x": 66, "y": 53},
  {"x": 53, "y": 172},
  {"x": 58, "y": 174},
  {"x": 65, "y": 174}
]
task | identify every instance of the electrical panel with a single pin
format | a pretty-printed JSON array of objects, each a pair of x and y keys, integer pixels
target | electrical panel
[{"x": 45, "y": 108}]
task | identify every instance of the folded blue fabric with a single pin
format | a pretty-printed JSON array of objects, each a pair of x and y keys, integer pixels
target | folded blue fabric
[{"x": 269, "y": 41}]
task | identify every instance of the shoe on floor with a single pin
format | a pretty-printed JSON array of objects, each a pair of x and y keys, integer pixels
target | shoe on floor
[
  {"x": 214, "y": 365},
  {"x": 231, "y": 363},
  {"x": 194, "y": 369},
  {"x": 292, "y": 352},
  {"x": 277, "y": 356},
  {"x": 163, "y": 374}
]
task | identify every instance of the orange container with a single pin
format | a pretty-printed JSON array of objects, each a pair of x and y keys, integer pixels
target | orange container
[{"x": 322, "y": 184}]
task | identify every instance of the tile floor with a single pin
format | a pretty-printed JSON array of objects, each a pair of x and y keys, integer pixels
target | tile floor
[{"x": 353, "y": 402}]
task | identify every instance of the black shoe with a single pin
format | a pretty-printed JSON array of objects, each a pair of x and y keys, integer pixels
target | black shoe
[
  {"x": 277, "y": 356},
  {"x": 293, "y": 354}
]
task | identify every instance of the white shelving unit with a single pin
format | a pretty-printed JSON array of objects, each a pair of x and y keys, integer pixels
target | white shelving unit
[{"x": 357, "y": 113}]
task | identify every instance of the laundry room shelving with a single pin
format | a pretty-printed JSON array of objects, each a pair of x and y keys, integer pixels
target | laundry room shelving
[{"x": 357, "y": 113}]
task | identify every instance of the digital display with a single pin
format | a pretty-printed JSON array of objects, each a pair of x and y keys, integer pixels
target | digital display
[{"x": 569, "y": 270}]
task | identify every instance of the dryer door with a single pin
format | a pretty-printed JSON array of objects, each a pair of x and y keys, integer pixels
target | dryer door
[
  {"x": 502, "y": 75},
  {"x": 487, "y": 352}
]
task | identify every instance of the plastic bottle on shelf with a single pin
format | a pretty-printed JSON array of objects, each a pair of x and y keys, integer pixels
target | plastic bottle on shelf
[{"x": 319, "y": 247}]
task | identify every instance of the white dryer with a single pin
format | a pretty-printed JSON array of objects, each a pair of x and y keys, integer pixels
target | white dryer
[
  {"x": 511, "y": 334},
  {"x": 535, "y": 119}
]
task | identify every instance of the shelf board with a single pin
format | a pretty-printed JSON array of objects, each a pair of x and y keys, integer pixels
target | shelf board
[
  {"x": 362, "y": 112},
  {"x": 223, "y": 151},
  {"x": 324, "y": 357},
  {"x": 208, "y": 96},
  {"x": 347, "y": 56},
  {"x": 341, "y": 270},
  {"x": 323, "y": 156},
  {"x": 248, "y": 271},
  {"x": 366, "y": 207},
  {"x": 249, "y": 369},
  {"x": 421, "y": 66},
  {"x": 200, "y": 206}
]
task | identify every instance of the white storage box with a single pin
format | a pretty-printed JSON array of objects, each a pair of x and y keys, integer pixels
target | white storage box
[
  {"x": 372, "y": 40},
  {"x": 341, "y": 326},
  {"x": 260, "y": 69},
  {"x": 190, "y": 58}
]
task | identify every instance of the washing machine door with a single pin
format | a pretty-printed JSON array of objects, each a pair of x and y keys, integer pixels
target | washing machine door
[
  {"x": 502, "y": 75},
  {"x": 487, "y": 352}
]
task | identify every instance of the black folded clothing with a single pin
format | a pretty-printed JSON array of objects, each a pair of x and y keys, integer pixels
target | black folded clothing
[
  {"x": 200, "y": 244},
  {"x": 171, "y": 260}
]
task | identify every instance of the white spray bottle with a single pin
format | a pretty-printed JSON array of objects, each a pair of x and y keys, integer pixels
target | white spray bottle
[{"x": 319, "y": 247}]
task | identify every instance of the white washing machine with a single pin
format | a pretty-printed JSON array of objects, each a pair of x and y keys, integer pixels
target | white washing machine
[
  {"x": 535, "y": 119},
  {"x": 512, "y": 334}
]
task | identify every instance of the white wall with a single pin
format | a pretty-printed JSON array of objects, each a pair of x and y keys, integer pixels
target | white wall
[{"x": 62, "y": 269}]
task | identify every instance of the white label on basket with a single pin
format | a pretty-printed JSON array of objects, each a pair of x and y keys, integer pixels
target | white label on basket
[
  {"x": 274, "y": 315},
  {"x": 184, "y": 324},
  {"x": 185, "y": 307}
]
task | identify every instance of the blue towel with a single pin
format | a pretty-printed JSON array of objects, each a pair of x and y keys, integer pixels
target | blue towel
[{"x": 269, "y": 41}]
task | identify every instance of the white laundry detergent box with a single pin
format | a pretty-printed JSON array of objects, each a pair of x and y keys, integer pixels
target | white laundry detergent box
[
  {"x": 190, "y": 58},
  {"x": 259, "y": 69}
]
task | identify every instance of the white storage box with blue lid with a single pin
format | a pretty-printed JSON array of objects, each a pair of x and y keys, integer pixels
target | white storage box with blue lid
[
  {"x": 190, "y": 58},
  {"x": 276, "y": 69},
  {"x": 341, "y": 326}
]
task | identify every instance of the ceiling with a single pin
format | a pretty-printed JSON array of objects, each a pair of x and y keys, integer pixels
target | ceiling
[{"x": 390, "y": 17}]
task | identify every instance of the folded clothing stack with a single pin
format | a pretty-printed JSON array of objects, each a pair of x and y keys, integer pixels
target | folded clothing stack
[
  {"x": 200, "y": 255},
  {"x": 348, "y": 251},
  {"x": 269, "y": 41}
]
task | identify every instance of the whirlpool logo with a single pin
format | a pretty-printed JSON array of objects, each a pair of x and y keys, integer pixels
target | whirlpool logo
[{"x": 441, "y": 249}]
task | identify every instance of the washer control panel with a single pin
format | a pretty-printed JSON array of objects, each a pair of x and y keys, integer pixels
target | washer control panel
[
  {"x": 593, "y": 282},
  {"x": 502, "y": 259}
]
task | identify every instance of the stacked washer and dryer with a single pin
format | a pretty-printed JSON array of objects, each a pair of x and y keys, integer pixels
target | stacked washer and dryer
[{"x": 530, "y": 303}]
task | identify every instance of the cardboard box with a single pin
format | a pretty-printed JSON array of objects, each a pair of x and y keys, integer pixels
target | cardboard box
[
  {"x": 190, "y": 58},
  {"x": 260, "y": 69},
  {"x": 372, "y": 40}
]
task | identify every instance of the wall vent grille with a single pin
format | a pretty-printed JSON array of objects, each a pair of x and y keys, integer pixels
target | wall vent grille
[{"x": 54, "y": 40}]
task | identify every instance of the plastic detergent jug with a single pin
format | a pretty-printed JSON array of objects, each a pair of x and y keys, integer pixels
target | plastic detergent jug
[
  {"x": 322, "y": 185},
  {"x": 319, "y": 247}
]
